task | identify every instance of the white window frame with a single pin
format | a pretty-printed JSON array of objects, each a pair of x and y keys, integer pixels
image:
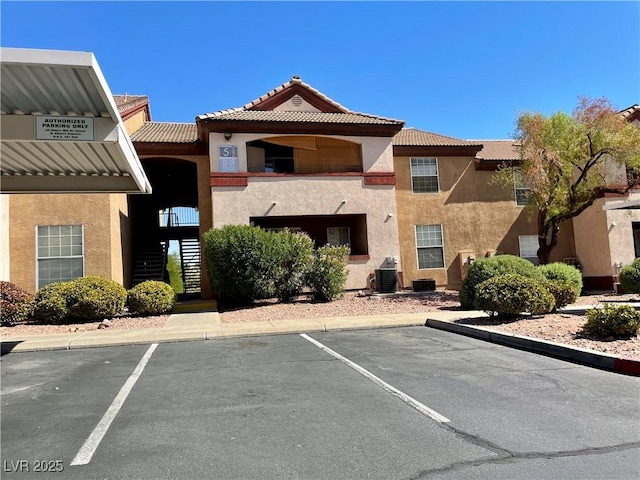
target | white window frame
[
  {"x": 444, "y": 263},
  {"x": 519, "y": 185},
  {"x": 348, "y": 237},
  {"x": 437, "y": 175},
  {"x": 38, "y": 257},
  {"x": 528, "y": 247}
]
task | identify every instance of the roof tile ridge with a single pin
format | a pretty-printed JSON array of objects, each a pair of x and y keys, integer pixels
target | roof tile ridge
[
  {"x": 444, "y": 136},
  {"x": 369, "y": 115}
]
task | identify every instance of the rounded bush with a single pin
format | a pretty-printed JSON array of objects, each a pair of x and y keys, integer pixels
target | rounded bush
[
  {"x": 51, "y": 303},
  {"x": 630, "y": 277},
  {"x": 485, "y": 268},
  {"x": 94, "y": 298},
  {"x": 512, "y": 294},
  {"x": 561, "y": 273},
  {"x": 16, "y": 304},
  {"x": 613, "y": 321},
  {"x": 151, "y": 298},
  {"x": 563, "y": 292}
]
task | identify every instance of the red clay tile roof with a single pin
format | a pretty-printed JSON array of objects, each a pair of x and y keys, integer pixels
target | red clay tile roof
[
  {"x": 295, "y": 80},
  {"x": 249, "y": 112},
  {"x": 412, "y": 137},
  {"x": 304, "y": 117},
  {"x": 498, "y": 150},
  {"x": 630, "y": 112},
  {"x": 128, "y": 102},
  {"x": 166, "y": 132}
]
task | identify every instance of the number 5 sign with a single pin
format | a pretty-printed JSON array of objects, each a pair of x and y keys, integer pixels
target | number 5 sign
[{"x": 228, "y": 158}]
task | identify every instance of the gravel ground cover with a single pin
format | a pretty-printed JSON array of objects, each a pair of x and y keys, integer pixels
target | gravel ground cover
[{"x": 563, "y": 328}]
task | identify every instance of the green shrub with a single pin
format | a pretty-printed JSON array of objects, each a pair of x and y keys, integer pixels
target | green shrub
[
  {"x": 512, "y": 294},
  {"x": 485, "y": 268},
  {"x": 51, "y": 303},
  {"x": 564, "y": 275},
  {"x": 563, "y": 292},
  {"x": 241, "y": 263},
  {"x": 613, "y": 321},
  {"x": 294, "y": 262},
  {"x": 175, "y": 272},
  {"x": 94, "y": 298},
  {"x": 329, "y": 274},
  {"x": 151, "y": 298},
  {"x": 16, "y": 304},
  {"x": 630, "y": 277}
]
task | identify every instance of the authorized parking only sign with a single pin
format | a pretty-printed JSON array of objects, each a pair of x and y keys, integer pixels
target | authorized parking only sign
[{"x": 57, "y": 127}]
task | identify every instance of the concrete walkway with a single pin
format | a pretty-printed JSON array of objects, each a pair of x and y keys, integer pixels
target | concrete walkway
[{"x": 206, "y": 325}]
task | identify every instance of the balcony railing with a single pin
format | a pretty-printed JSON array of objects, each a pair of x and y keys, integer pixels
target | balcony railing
[{"x": 179, "y": 217}]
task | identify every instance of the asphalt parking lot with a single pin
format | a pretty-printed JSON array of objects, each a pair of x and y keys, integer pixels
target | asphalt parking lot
[{"x": 390, "y": 403}]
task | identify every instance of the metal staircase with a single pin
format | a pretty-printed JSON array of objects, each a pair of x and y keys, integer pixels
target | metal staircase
[
  {"x": 150, "y": 263},
  {"x": 190, "y": 258}
]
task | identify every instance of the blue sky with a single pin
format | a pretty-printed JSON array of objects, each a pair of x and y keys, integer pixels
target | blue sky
[{"x": 462, "y": 69}]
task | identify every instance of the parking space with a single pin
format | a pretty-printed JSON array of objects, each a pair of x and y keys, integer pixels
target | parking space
[{"x": 283, "y": 407}]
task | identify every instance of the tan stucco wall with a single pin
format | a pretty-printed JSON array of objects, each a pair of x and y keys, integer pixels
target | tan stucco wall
[
  {"x": 620, "y": 232},
  {"x": 476, "y": 218},
  {"x": 592, "y": 241},
  {"x": 5, "y": 252},
  {"x": 120, "y": 239},
  {"x": 28, "y": 211},
  {"x": 134, "y": 122},
  {"x": 317, "y": 196}
]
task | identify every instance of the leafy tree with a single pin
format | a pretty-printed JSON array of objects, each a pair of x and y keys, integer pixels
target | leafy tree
[
  {"x": 175, "y": 272},
  {"x": 569, "y": 161}
]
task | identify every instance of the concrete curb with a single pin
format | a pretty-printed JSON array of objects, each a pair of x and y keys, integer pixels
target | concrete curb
[{"x": 582, "y": 356}]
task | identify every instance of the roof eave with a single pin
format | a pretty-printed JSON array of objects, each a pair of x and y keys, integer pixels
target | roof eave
[{"x": 449, "y": 150}]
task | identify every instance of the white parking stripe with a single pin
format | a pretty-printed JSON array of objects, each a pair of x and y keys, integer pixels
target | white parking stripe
[
  {"x": 412, "y": 402},
  {"x": 87, "y": 450}
]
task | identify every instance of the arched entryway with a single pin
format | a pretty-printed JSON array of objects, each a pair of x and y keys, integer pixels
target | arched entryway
[{"x": 167, "y": 223}]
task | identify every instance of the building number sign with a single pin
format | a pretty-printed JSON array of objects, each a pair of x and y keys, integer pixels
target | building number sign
[{"x": 228, "y": 158}]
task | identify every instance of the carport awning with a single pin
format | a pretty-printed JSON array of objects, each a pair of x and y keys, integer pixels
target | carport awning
[
  {"x": 60, "y": 127},
  {"x": 624, "y": 205}
]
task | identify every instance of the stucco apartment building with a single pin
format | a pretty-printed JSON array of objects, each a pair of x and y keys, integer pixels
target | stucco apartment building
[{"x": 405, "y": 199}]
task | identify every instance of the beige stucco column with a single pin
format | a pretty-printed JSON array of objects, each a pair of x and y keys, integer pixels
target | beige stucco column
[{"x": 5, "y": 257}]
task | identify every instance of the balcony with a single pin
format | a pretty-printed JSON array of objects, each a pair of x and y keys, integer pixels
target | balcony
[{"x": 303, "y": 155}]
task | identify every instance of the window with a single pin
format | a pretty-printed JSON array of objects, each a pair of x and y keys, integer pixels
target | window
[
  {"x": 338, "y": 236},
  {"x": 424, "y": 175},
  {"x": 529, "y": 248},
  {"x": 430, "y": 247},
  {"x": 523, "y": 192},
  {"x": 60, "y": 253}
]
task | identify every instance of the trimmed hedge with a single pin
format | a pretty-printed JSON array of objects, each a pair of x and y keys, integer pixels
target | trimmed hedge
[
  {"x": 563, "y": 292},
  {"x": 512, "y": 294},
  {"x": 51, "y": 303},
  {"x": 151, "y": 298},
  {"x": 613, "y": 321},
  {"x": 329, "y": 273},
  {"x": 95, "y": 298},
  {"x": 485, "y": 268},
  {"x": 16, "y": 304},
  {"x": 630, "y": 277},
  {"x": 85, "y": 298}
]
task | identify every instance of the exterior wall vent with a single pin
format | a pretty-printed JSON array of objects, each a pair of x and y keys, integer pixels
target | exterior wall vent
[{"x": 296, "y": 100}]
